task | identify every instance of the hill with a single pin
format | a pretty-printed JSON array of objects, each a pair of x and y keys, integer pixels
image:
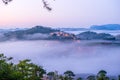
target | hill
[
  {"x": 106, "y": 27},
  {"x": 37, "y": 33},
  {"x": 46, "y": 33},
  {"x": 88, "y": 35}
]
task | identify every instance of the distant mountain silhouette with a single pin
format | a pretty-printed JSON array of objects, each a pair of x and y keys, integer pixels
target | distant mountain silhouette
[
  {"x": 19, "y": 34},
  {"x": 106, "y": 27},
  {"x": 46, "y": 33},
  {"x": 37, "y": 33},
  {"x": 88, "y": 35}
]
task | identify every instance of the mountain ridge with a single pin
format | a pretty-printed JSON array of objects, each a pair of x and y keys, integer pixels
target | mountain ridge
[{"x": 47, "y": 33}]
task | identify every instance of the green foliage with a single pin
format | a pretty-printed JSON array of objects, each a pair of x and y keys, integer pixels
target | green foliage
[
  {"x": 118, "y": 77},
  {"x": 24, "y": 70},
  {"x": 102, "y": 75},
  {"x": 79, "y": 78},
  {"x": 5, "y": 67},
  {"x": 69, "y": 75},
  {"x": 61, "y": 77},
  {"x": 91, "y": 77},
  {"x": 54, "y": 76},
  {"x": 50, "y": 73}
]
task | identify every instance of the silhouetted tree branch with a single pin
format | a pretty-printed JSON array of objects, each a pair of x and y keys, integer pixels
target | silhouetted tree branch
[
  {"x": 46, "y": 5},
  {"x": 6, "y": 1}
]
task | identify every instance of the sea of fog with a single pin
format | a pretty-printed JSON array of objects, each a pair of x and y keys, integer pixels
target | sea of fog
[{"x": 78, "y": 56}]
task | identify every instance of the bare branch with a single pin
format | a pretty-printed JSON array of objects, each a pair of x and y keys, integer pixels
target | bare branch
[
  {"x": 46, "y": 5},
  {"x": 6, "y": 1}
]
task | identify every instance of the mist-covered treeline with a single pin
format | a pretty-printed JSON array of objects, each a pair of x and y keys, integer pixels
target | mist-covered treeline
[{"x": 26, "y": 70}]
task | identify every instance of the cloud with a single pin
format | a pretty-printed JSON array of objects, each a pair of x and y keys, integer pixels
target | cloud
[
  {"x": 36, "y": 36},
  {"x": 2, "y": 37}
]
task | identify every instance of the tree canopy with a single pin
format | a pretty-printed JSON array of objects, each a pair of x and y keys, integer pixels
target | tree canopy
[{"x": 26, "y": 70}]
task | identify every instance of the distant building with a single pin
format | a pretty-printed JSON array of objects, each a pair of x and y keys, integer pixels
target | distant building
[{"x": 62, "y": 35}]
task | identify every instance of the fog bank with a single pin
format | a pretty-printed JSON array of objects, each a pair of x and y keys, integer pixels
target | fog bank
[{"x": 78, "y": 56}]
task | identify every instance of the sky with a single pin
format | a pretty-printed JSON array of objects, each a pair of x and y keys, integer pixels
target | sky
[{"x": 65, "y": 13}]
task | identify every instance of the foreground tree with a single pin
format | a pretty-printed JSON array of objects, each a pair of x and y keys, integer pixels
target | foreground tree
[
  {"x": 5, "y": 67},
  {"x": 118, "y": 77},
  {"x": 30, "y": 71},
  {"x": 69, "y": 75},
  {"x": 53, "y": 75},
  {"x": 91, "y": 77},
  {"x": 102, "y": 75},
  {"x": 79, "y": 78},
  {"x": 24, "y": 70},
  {"x": 61, "y": 77}
]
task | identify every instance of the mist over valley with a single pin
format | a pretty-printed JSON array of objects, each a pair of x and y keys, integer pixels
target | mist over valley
[{"x": 86, "y": 52}]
